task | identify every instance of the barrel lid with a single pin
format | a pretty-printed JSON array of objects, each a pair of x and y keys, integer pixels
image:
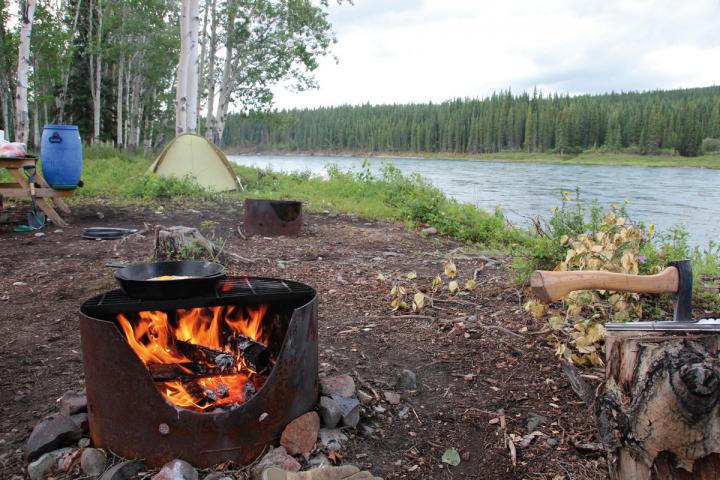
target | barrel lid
[{"x": 61, "y": 127}]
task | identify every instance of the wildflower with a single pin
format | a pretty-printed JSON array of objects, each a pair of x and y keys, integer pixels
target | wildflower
[
  {"x": 651, "y": 229},
  {"x": 642, "y": 259},
  {"x": 661, "y": 254}
]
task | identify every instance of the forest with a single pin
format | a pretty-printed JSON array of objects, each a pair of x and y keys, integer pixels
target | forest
[
  {"x": 686, "y": 122},
  {"x": 111, "y": 66}
]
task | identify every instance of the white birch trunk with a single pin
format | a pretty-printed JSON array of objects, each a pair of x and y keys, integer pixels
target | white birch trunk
[
  {"x": 181, "y": 79},
  {"x": 119, "y": 106},
  {"x": 98, "y": 76},
  {"x": 210, "y": 121},
  {"x": 5, "y": 108},
  {"x": 191, "y": 87},
  {"x": 201, "y": 65},
  {"x": 226, "y": 89},
  {"x": 36, "y": 124},
  {"x": 22, "y": 125},
  {"x": 133, "y": 134}
]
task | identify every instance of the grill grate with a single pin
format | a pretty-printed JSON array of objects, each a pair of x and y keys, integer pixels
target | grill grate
[{"x": 233, "y": 290}]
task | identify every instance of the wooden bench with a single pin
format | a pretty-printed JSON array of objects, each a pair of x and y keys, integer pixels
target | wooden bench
[{"x": 47, "y": 198}]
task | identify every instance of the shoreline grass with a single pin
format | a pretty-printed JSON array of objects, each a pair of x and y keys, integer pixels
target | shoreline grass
[{"x": 586, "y": 158}]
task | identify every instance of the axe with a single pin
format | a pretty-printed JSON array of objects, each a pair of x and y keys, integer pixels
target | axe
[{"x": 676, "y": 279}]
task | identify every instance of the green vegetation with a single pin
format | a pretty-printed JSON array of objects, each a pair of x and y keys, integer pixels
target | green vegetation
[{"x": 646, "y": 123}]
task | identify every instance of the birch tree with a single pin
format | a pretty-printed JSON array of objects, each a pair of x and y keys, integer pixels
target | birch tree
[
  {"x": 188, "y": 68},
  {"x": 265, "y": 42},
  {"x": 8, "y": 57},
  {"x": 22, "y": 118}
]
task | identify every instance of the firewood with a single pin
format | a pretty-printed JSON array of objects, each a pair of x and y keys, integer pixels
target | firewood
[
  {"x": 256, "y": 356},
  {"x": 207, "y": 355},
  {"x": 658, "y": 410},
  {"x": 163, "y": 372}
]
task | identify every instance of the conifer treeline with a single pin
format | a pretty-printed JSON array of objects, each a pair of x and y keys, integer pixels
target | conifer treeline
[{"x": 644, "y": 123}]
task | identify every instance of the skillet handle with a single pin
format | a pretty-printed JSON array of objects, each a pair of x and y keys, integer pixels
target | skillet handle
[{"x": 117, "y": 265}]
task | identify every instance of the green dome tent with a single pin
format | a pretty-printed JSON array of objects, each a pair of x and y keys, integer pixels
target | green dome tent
[{"x": 192, "y": 155}]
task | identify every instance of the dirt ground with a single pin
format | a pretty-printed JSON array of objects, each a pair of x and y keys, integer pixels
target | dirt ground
[{"x": 468, "y": 370}]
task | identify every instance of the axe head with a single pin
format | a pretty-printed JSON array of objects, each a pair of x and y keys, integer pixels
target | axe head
[{"x": 683, "y": 297}]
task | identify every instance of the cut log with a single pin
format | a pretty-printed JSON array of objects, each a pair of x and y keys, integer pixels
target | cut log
[
  {"x": 256, "y": 356},
  {"x": 210, "y": 356},
  {"x": 183, "y": 243},
  {"x": 658, "y": 411},
  {"x": 163, "y": 372}
]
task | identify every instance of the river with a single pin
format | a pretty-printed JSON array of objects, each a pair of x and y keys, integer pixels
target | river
[{"x": 663, "y": 196}]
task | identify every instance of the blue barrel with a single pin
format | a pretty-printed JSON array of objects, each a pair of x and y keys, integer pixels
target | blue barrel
[{"x": 61, "y": 156}]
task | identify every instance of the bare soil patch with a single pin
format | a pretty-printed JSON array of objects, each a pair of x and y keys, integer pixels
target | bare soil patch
[{"x": 467, "y": 370}]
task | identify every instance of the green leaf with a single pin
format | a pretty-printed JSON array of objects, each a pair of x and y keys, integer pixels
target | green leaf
[
  {"x": 451, "y": 457},
  {"x": 411, "y": 276}
]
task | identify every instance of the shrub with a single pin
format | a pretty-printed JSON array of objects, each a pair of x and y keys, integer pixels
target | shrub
[{"x": 710, "y": 145}]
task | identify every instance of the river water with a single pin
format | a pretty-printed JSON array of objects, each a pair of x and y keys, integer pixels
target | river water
[{"x": 663, "y": 196}]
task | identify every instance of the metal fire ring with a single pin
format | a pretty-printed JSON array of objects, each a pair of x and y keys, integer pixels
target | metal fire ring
[{"x": 129, "y": 416}]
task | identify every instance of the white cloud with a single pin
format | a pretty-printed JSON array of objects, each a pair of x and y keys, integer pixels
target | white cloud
[{"x": 399, "y": 51}]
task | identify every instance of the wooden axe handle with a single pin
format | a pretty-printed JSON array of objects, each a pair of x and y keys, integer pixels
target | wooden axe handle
[{"x": 551, "y": 286}]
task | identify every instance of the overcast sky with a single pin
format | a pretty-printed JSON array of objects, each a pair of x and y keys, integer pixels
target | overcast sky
[{"x": 401, "y": 51}]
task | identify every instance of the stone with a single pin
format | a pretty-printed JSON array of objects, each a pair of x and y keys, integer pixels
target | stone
[
  {"x": 84, "y": 442},
  {"x": 407, "y": 380},
  {"x": 404, "y": 413},
  {"x": 300, "y": 435},
  {"x": 218, "y": 476},
  {"x": 332, "y": 438},
  {"x": 92, "y": 461},
  {"x": 429, "y": 231},
  {"x": 552, "y": 442},
  {"x": 50, "y": 434},
  {"x": 330, "y": 412},
  {"x": 364, "y": 397},
  {"x": 319, "y": 460},
  {"x": 81, "y": 420},
  {"x": 123, "y": 470},
  {"x": 46, "y": 463},
  {"x": 392, "y": 398},
  {"x": 340, "y": 385},
  {"x": 276, "y": 457},
  {"x": 176, "y": 470},
  {"x": 349, "y": 409},
  {"x": 73, "y": 402},
  {"x": 534, "y": 421}
]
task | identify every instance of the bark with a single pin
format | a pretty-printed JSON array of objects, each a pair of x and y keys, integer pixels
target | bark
[
  {"x": 201, "y": 65},
  {"x": 135, "y": 111},
  {"x": 22, "y": 124},
  {"x": 36, "y": 125},
  {"x": 6, "y": 116},
  {"x": 217, "y": 123},
  {"x": 210, "y": 121},
  {"x": 119, "y": 106},
  {"x": 191, "y": 87},
  {"x": 658, "y": 411},
  {"x": 181, "y": 78},
  {"x": 98, "y": 75}
]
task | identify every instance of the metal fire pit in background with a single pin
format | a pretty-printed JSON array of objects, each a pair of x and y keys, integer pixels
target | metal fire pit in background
[
  {"x": 273, "y": 217},
  {"x": 129, "y": 415}
]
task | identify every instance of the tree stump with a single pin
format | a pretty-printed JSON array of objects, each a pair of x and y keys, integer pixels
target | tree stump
[
  {"x": 176, "y": 243},
  {"x": 657, "y": 412}
]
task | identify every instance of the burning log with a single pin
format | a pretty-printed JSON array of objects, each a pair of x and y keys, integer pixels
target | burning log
[
  {"x": 256, "y": 356},
  {"x": 163, "y": 372},
  {"x": 210, "y": 356}
]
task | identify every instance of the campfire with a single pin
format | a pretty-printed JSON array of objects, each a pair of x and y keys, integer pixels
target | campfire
[
  {"x": 203, "y": 358},
  {"x": 207, "y": 378}
]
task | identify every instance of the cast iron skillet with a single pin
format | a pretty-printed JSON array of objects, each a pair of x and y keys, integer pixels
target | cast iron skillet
[{"x": 135, "y": 279}]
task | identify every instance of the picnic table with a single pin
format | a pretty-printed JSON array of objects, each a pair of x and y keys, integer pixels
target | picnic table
[{"x": 47, "y": 198}]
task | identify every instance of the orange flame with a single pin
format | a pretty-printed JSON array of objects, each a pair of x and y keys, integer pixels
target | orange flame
[{"x": 153, "y": 335}]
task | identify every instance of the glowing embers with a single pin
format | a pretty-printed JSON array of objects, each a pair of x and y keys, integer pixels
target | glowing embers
[{"x": 207, "y": 357}]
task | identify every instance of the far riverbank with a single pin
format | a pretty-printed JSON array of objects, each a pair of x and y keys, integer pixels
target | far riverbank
[{"x": 588, "y": 158}]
